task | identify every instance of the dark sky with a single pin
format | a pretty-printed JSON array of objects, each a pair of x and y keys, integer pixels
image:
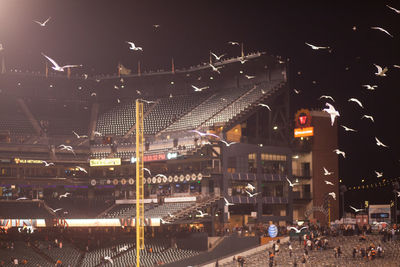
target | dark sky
[{"x": 93, "y": 33}]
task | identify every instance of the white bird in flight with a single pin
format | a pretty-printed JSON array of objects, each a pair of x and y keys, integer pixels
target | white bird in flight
[
  {"x": 398, "y": 193},
  {"x": 379, "y": 143},
  {"x": 47, "y": 164},
  {"x": 290, "y": 182},
  {"x": 163, "y": 222},
  {"x": 216, "y": 56},
  {"x": 79, "y": 136},
  {"x": 356, "y": 210},
  {"x": 148, "y": 101},
  {"x": 382, "y": 30},
  {"x": 394, "y": 9},
  {"x": 133, "y": 47},
  {"x": 1, "y": 47},
  {"x": 228, "y": 144},
  {"x": 42, "y": 24},
  {"x": 396, "y": 66},
  {"x": 347, "y": 129},
  {"x": 147, "y": 170},
  {"x": 216, "y": 69},
  {"x": 81, "y": 169},
  {"x": 249, "y": 77},
  {"x": 227, "y": 203},
  {"x": 124, "y": 248},
  {"x": 242, "y": 60},
  {"x": 233, "y": 43},
  {"x": 327, "y": 97},
  {"x": 265, "y": 105},
  {"x": 370, "y": 87},
  {"x": 356, "y": 101},
  {"x": 64, "y": 195},
  {"x": 380, "y": 72},
  {"x": 201, "y": 214},
  {"x": 332, "y": 112},
  {"x": 197, "y": 89},
  {"x": 328, "y": 183},
  {"x": 171, "y": 215},
  {"x": 57, "y": 67},
  {"x": 317, "y": 47},
  {"x": 22, "y": 198},
  {"x": 250, "y": 187},
  {"x": 252, "y": 195},
  {"x": 326, "y": 172},
  {"x": 55, "y": 210},
  {"x": 204, "y": 134},
  {"x": 368, "y": 117},
  {"x": 333, "y": 195},
  {"x": 378, "y": 174},
  {"x": 296, "y": 91},
  {"x": 68, "y": 148},
  {"x": 298, "y": 230},
  {"x": 339, "y": 152},
  {"x": 108, "y": 258},
  {"x": 96, "y": 133}
]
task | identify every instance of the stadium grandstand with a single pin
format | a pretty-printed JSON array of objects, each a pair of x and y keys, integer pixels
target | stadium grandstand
[{"x": 216, "y": 161}]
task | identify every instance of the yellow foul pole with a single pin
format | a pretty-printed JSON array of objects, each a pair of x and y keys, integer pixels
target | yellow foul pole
[{"x": 139, "y": 222}]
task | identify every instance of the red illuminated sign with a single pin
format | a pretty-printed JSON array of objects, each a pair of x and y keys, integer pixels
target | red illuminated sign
[
  {"x": 303, "y": 118},
  {"x": 154, "y": 157}
]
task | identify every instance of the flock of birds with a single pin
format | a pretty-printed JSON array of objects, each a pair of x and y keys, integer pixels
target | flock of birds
[{"x": 250, "y": 189}]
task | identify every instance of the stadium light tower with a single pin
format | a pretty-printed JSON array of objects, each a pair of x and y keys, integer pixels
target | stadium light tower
[{"x": 139, "y": 222}]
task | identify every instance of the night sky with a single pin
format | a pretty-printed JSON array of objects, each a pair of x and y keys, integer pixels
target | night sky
[{"x": 93, "y": 33}]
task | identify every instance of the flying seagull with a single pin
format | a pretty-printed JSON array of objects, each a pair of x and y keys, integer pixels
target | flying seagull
[
  {"x": 370, "y": 87},
  {"x": 233, "y": 43},
  {"x": 93, "y": 94},
  {"x": 333, "y": 195},
  {"x": 398, "y": 193},
  {"x": 68, "y": 148},
  {"x": 296, "y": 91},
  {"x": 147, "y": 170},
  {"x": 327, "y": 97},
  {"x": 133, "y": 47},
  {"x": 249, "y": 77},
  {"x": 332, "y": 112},
  {"x": 148, "y": 101},
  {"x": 326, "y": 172},
  {"x": 42, "y": 24},
  {"x": 395, "y": 10},
  {"x": 328, "y": 183},
  {"x": 378, "y": 174},
  {"x": 47, "y": 164},
  {"x": 347, "y": 129},
  {"x": 242, "y": 60},
  {"x": 156, "y": 26},
  {"x": 317, "y": 47},
  {"x": 380, "y": 72},
  {"x": 124, "y": 248},
  {"x": 171, "y": 215},
  {"x": 108, "y": 258},
  {"x": 201, "y": 213},
  {"x": 64, "y": 195},
  {"x": 97, "y": 133},
  {"x": 368, "y": 117},
  {"x": 163, "y": 222},
  {"x": 265, "y": 105},
  {"x": 250, "y": 187},
  {"x": 379, "y": 143},
  {"x": 22, "y": 198},
  {"x": 217, "y": 57},
  {"x": 382, "y": 30},
  {"x": 252, "y": 195},
  {"x": 204, "y": 134},
  {"x": 81, "y": 169},
  {"x": 57, "y": 67},
  {"x": 228, "y": 144},
  {"x": 79, "y": 136},
  {"x": 197, "y": 89},
  {"x": 216, "y": 69},
  {"x": 396, "y": 66},
  {"x": 339, "y": 152},
  {"x": 290, "y": 182},
  {"x": 298, "y": 230},
  {"x": 356, "y": 210},
  {"x": 227, "y": 203},
  {"x": 356, "y": 101},
  {"x": 55, "y": 210}
]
